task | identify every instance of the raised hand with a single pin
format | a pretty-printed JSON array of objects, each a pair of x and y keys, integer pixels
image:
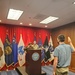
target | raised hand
[{"x": 69, "y": 40}]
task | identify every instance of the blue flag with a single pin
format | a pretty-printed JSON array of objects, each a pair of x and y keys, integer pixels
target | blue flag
[
  {"x": 15, "y": 50},
  {"x": 8, "y": 52},
  {"x": 42, "y": 54},
  {"x": 40, "y": 41}
]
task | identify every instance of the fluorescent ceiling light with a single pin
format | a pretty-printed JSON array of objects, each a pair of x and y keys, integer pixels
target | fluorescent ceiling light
[
  {"x": 48, "y": 20},
  {"x": 0, "y": 21},
  {"x": 14, "y": 14},
  {"x": 74, "y": 3},
  {"x": 30, "y": 24},
  {"x": 21, "y": 23},
  {"x": 45, "y": 26}
]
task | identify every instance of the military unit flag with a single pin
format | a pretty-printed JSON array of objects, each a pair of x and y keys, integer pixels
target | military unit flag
[{"x": 21, "y": 53}]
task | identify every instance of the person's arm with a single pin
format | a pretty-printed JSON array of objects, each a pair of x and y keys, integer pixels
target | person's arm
[
  {"x": 70, "y": 42},
  {"x": 55, "y": 64}
]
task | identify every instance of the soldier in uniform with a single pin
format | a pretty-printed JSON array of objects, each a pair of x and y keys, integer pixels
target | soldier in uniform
[{"x": 35, "y": 45}]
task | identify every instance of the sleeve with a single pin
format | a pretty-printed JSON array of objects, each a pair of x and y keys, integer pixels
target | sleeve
[
  {"x": 71, "y": 49},
  {"x": 56, "y": 52}
]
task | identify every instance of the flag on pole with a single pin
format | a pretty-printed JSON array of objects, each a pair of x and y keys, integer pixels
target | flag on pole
[
  {"x": 51, "y": 45},
  {"x": 2, "y": 57},
  {"x": 42, "y": 54},
  {"x": 40, "y": 41},
  {"x": 8, "y": 52},
  {"x": 21, "y": 53},
  {"x": 50, "y": 48},
  {"x": 47, "y": 52},
  {"x": 15, "y": 49},
  {"x": 45, "y": 42}
]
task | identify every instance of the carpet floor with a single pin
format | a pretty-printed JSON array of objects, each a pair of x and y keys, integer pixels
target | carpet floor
[{"x": 49, "y": 70}]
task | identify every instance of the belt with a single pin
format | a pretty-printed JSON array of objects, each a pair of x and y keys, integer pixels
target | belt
[{"x": 61, "y": 67}]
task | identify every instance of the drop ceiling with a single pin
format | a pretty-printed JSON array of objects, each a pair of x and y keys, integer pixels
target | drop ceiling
[{"x": 37, "y": 10}]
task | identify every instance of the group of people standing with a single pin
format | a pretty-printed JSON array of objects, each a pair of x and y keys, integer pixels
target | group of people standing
[{"x": 46, "y": 51}]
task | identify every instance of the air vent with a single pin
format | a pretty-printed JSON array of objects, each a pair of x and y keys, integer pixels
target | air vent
[{"x": 40, "y": 16}]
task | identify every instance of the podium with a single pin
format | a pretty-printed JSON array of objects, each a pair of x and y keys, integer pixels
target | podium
[{"x": 33, "y": 62}]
